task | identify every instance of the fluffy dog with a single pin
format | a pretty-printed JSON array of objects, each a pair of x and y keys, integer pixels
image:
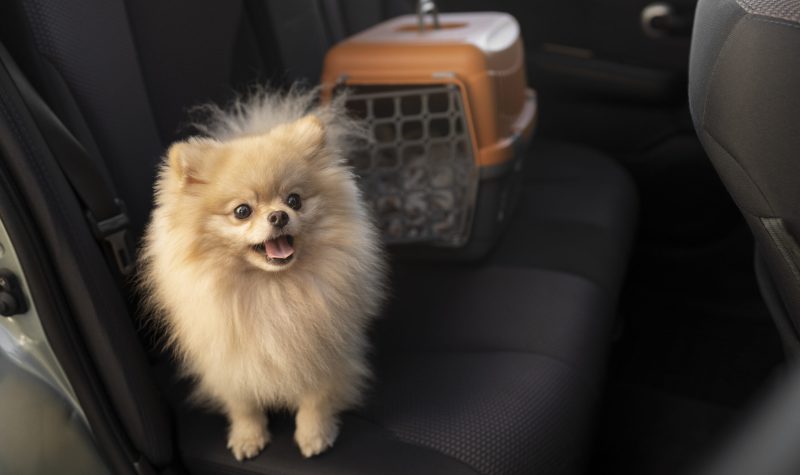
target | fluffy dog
[{"x": 263, "y": 267}]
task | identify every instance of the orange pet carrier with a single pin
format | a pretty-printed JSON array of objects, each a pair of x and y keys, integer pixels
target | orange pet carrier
[{"x": 450, "y": 113}]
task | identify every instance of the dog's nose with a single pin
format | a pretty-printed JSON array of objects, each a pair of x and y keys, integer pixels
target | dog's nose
[{"x": 278, "y": 218}]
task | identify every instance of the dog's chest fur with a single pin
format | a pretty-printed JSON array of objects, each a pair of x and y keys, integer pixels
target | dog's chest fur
[{"x": 273, "y": 336}]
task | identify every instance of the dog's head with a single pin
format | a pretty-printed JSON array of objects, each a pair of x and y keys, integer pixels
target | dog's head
[{"x": 265, "y": 199}]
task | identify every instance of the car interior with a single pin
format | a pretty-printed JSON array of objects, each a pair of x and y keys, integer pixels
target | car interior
[{"x": 637, "y": 311}]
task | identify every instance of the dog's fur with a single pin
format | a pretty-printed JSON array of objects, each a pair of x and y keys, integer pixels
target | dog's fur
[{"x": 251, "y": 333}]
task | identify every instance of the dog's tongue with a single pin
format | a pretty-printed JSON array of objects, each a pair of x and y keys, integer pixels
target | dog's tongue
[{"x": 279, "y": 248}]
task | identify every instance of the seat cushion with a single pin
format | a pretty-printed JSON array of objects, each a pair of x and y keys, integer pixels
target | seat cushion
[
  {"x": 484, "y": 309},
  {"x": 497, "y": 412},
  {"x": 431, "y": 412},
  {"x": 577, "y": 213}
]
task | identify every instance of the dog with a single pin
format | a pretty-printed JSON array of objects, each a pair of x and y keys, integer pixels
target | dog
[{"x": 263, "y": 268}]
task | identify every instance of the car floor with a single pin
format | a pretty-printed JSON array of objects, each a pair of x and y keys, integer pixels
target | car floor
[{"x": 695, "y": 346}]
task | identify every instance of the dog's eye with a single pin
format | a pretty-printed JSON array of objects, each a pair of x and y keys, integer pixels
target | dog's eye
[
  {"x": 242, "y": 211},
  {"x": 293, "y": 201}
]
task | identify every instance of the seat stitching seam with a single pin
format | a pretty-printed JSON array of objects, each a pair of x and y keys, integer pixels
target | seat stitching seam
[
  {"x": 764, "y": 19},
  {"x": 566, "y": 364},
  {"x": 777, "y": 22},
  {"x": 747, "y": 174},
  {"x": 583, "y": 278}
]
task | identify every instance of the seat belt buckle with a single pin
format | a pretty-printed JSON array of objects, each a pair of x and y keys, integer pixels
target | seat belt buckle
[{"x": 113, "y": 232}]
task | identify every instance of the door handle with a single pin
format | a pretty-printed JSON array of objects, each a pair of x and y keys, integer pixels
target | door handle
[{"x": 660, "y": 20}]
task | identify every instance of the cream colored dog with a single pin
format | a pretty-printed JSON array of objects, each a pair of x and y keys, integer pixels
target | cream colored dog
[{"x": 264, "y": 269}]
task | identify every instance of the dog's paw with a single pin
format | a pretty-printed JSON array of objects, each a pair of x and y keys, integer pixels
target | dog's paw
[
  {"x": 246, "y": 444},
  {"x": 316, "y": 437}
]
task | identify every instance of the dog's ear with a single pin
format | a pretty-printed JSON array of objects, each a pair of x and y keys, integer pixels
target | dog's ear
[
  {"x": 310, "y": 130},
  {"x": 186, "y": 160},
  {"x": 306, "y": 135}
]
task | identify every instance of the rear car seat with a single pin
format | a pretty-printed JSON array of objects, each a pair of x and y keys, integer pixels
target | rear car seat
[{"x": 490, "y": 367}]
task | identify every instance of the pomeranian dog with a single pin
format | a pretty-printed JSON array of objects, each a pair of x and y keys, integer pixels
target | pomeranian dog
[{"x": 263, "y": 267}]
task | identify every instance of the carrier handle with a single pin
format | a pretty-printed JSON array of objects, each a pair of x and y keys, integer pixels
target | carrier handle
[{"x": 425, "y": 7}]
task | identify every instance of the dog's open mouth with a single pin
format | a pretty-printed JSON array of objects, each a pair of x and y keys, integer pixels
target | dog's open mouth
[{"x": 278, "y": 250}]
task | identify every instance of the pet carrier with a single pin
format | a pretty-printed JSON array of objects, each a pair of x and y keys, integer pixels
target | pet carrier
[{"x": 448, "y": 107}]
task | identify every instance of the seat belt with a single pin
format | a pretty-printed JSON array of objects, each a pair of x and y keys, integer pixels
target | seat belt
[{"x": 104, "y": 210}]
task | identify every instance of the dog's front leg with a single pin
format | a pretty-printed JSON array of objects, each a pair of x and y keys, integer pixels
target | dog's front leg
[
  {"x": 317, "y": 422},
  {"x": 247, "y": 434}
]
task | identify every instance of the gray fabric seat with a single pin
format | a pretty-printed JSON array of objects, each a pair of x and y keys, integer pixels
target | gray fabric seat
[
  {"x": 492, "y": 367},
  {"x": 745, "y": 103}
]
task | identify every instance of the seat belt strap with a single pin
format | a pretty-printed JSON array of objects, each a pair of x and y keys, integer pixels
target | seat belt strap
[{"x": 104, "y": 211}]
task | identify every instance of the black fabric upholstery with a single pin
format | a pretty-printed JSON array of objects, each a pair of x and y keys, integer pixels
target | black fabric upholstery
[
  {"x": 301, "y": 19},
  {"x": 745, "y": 102},
  {"x": 577, "y": 214},
  {"x": 199, "y": 64},
  {"x": 554, "y": 314},
  {"x": 321, "y": 24},
  {"x": 498, "y": 412},
  {"x": 86, "y": 48},
  {"x": 487, "y": 368}
]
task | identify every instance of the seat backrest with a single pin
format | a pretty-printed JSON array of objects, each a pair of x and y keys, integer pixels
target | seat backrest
[
  {"x": 744, "y": 92},
  {"x": 305, "y": 29}
]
